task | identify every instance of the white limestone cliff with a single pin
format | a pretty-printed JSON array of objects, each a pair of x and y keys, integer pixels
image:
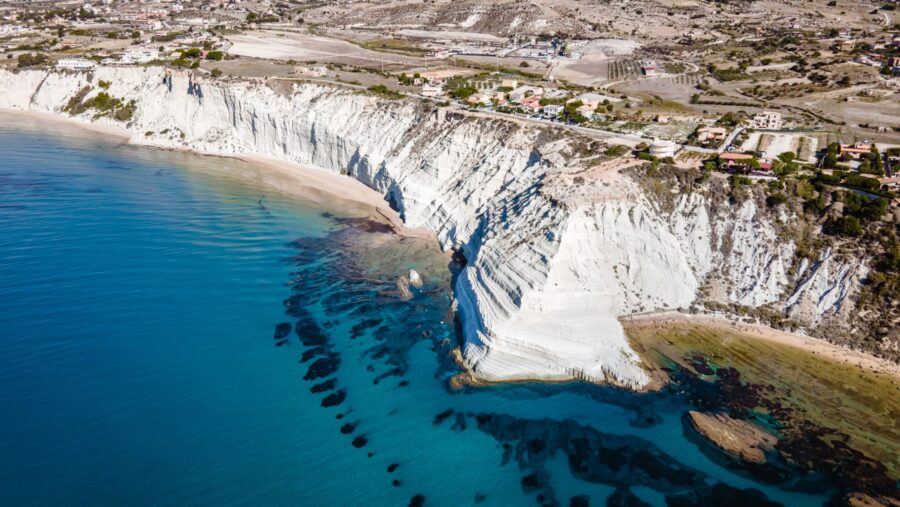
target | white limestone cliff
[{"x": 548, "y": 274}]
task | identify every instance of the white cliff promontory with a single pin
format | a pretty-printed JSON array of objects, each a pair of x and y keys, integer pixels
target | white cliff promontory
[{"x": 557, "y": 249}]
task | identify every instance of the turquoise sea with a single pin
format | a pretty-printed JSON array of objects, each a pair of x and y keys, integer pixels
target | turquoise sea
[{"x": 173, "y": 332}]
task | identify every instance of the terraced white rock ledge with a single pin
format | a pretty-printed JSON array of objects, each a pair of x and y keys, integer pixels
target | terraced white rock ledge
[{"x": 559, "y": 244}]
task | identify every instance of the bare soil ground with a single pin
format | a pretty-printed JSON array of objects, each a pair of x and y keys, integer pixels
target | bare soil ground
[{"x": 307, "y": 47}]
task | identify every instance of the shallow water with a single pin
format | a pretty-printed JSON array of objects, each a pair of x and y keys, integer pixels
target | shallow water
[{"x": 142, "y": 361}]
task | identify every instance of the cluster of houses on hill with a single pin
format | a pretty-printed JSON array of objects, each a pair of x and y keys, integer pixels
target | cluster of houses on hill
[{"x": 532, "y": 100}]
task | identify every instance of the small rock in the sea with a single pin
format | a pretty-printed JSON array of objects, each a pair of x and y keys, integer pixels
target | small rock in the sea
[
  {"x": 417, "y": 501},
  {"x": 737, "y": 438},
  {"x": 414, "y": 279},
  {"x": 334, "y": 399},
  {"x": 403, "y": 287},
  {"x": 281, "y": 343},
  {"x": 282, "y": 330},
  {"x": 360, "y": 441},
  {"x": 323, "y": 367},
  {"x": 328, "y": 385},
  {"x": 396, "y": 483},
  {"x": 392, "y": 467},
  {"x": 348, "y": 428},
  {"x": 441, "y": 417},
  {"x": 480, "y": 497}
]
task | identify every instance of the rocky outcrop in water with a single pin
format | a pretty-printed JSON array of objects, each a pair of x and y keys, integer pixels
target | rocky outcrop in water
[{"x": 740, "y": 439}]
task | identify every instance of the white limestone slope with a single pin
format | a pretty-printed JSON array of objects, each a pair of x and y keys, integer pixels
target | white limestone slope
[{"x": 547, "y": 278}]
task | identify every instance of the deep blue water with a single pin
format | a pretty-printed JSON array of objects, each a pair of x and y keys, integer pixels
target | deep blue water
[{"x": 142, "y": 362}]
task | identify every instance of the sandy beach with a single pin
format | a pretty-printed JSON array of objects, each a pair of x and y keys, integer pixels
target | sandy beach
[
  {"x": 310, "y": 183},
  {"x": 808, "y": 344}
]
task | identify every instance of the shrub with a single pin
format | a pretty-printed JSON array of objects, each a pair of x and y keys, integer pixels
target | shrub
[
  {"x": 217, "y": 72},
  {"x": 31, "y": 60},
  {"x": 862, "y": 207},
  {"x": 215, "y": 56},
  {"x": 616, "y": 150},
  {"x": 775, "y": 199},
  {"x": 384, "y": 91},
  {"x": 463, "y": 92},
  {"x": 845, "y": 226},
  {"x": 863, "y": 182}
]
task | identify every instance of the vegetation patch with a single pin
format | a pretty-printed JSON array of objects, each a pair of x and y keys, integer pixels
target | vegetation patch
[{"x": 103, "y": 103}]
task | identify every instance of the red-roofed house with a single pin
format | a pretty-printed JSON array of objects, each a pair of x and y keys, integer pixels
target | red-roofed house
[
  {"x": 532, "y": 103},
  {"x": 855, "y": 150}
]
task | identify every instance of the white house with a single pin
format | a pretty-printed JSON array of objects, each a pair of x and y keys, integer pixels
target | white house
[
  {"x": 76, "y": 64},
  {"x": 768, "y": 120},
  {"x": 552, "y": 111},
  {"x": 587, "y": 111},
  {"x": 661, "y": 148}
]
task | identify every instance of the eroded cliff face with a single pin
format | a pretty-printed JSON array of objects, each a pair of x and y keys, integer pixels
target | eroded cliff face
[{"x": 558, "y": 247}]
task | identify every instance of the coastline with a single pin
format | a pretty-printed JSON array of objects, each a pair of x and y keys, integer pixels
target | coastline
[
  {"x": 814, "y": 346},
  {"x": 324, "y": 186},
  {"x": 305, "y": 182}
]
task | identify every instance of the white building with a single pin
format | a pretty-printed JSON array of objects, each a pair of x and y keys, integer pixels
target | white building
[
  {"x": 76, "y": 64},
  {"x": 432, "y": 90},
  {"x": 768, "y": 120},
  {"x": 552, "y": 111},
  {"x": 661, "y": 148}
]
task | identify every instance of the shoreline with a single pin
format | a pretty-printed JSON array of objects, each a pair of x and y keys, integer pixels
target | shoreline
[
  {"x": 321, "y": 186},
  {"x": 814, "y": 346},
  {"x": 302, "y": 181}
]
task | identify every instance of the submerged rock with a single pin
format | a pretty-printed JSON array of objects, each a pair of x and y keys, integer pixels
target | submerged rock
[
  {"x": 348, "y": 428},
  {"x": 323, "y": 367},
  {"x": 282, "y": 330},
  {"x": 403, "y": 287},
  {"x": 328, "y": 385},
  {"x": 334, "y": 399}
]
